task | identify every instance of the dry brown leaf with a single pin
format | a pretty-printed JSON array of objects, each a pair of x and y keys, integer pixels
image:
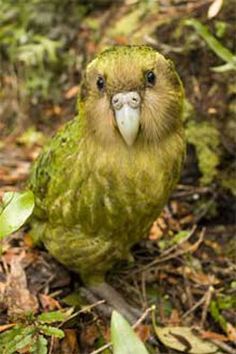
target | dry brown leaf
[
  {"x": 188, "y": 219},
  {"x": 6, "y": 326},
  {"x": 57, "y": 110},
  {"x": 204, "y": 279},
  {"x": 214, "y": 245},
  {"x": 28, "y": 240},
  {"x": 174, "y": 225},
  {"x": 69, "y": 344},
  {"x": 121, "y": 40},
  {"x": 231, "y": 332},
  {"x": 172, "y": 280},
  {"x": 156, "y": 232},
  {"x": 18, "y": 298},
  {"x": 11, "y": 253},
  {"x": 30, "y": 258},
  {"x": 72, "y": 92},
  {"x": 8, "y": 80},
  {"x": 174, "y": 206},
  {"x": 159, "y": 227},
  {"x": 143, "y": 332},
  {"x": 174, "y": 319},
  {"x": 49, "y": 303},
  {"x": 162, "y": 223},
  {"x": 199, "y": 277},
  {"x": 213, "y": 335},
  {"x": 91, "y": 47},
  {"x": 2, "y": 290},
  {"x": 90, "y": 334}
]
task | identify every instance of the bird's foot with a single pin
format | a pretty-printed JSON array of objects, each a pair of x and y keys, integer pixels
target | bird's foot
[{"x": 114, "y": 301}]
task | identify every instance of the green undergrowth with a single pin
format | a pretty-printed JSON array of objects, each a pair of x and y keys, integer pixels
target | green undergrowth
[{"x": 32, "y": 333}]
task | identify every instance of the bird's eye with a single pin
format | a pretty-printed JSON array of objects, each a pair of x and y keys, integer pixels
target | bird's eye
[
  {"x": 100, "y": 83},
  {"x": 150, "y": 77}
]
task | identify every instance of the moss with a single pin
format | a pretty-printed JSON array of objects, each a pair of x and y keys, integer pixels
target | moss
[
  {"x": 228, "y": 179},
  {"x": 205, "y": 137},
  {"x": 188, "y": 111}
]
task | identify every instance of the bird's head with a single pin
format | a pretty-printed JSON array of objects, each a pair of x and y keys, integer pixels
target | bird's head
[{"x": 131, "y": 94}]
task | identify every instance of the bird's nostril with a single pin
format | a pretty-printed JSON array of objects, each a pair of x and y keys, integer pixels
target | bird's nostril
[
  {"x": 115, "y": 100},
  {"x": 123, "y": 98},
  {"x": 134, "y": 100}
]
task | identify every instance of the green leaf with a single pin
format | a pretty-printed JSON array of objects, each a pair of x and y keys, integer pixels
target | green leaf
[
  {"x": 221, "y": 51},
  {"x": 7, "y": 197},
  {"x": 180, "y": 236},
  {"x": 52, "y": 331},
  {"x": 12, "y": 336},
  {"x": 124, "y": 339},
  {"x": 20, "y": 344},
  {"x": 217, "y": 316},
  {"x": 73, "y": 299},
  {"x": 50, "y": 317},
  {"x": 40, "y": 346},
  {"x": 226, "y": 302},
  {"x": 16, "y": 209},
  {"x": 15, "y": 339},
  {"x": 8, "y": 336},
  {"x": 221, "y": 28},
  {"x": 224, "y": 68}
]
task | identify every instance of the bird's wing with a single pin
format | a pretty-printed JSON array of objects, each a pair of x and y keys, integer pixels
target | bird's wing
[{"x": 48, "y": 163}]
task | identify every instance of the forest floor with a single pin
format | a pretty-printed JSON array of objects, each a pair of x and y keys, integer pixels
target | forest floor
[{"x": 186, "y": 266}]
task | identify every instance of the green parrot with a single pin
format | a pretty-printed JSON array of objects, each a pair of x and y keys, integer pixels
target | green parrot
[{"x": 103, "y": 179}]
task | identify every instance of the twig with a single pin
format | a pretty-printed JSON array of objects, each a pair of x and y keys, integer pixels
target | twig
[
  {"x": 185, "y": 191},
  {"x": 143, "y": 287},
  {"x": 207, "y": 301},
  {"x": 224, "y": 346},
  {"x": 100, "y": 350},
  {"x": 173, "y": 248},
  {"x": 166, "y": 253},
  {"x": 143, "y": 316},
  {"x": 188, "y": 289},
  {"x": 199, "y": 303},
  {"x": 51, "y": 345},
  {"x": 178, "y": 253},
  {"x": 85, "y": 309}
]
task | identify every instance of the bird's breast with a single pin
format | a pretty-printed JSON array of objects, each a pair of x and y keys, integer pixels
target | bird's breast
[
  {"x": 102, "y": 201},
  {"x": 115, "y": 194}
]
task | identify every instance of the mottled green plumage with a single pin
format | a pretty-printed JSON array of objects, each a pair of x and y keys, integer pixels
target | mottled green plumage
[{"x": 96, "y": 196}]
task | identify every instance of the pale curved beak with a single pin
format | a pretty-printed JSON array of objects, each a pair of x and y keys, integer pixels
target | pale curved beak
[{"x": 127, "y": 114}]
